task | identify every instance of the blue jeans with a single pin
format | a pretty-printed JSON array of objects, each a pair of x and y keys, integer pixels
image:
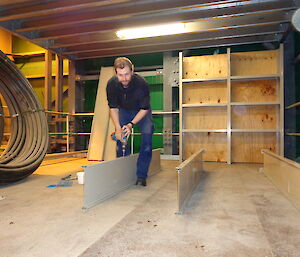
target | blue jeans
[{"x": 146, "y": 127}]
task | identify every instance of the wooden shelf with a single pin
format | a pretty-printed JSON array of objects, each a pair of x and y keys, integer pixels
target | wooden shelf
[
  {"x": 241, "y": 90},
  {"x": 204, "y": 105},
  {"x": 293, "y": 134},
  {"x": 164, "y": 112},
  {"x": 41, "y": 76},
  {"x": 204, "y": 130},
  {"x": 203, "y": 80},
  {"x": 257, "y": 77},
  {"x": 255, "y": 130},
  {"x": 293, "y": 105},
  {"x": 234, "y": 78},
  {"x": 256, "y": 103}
]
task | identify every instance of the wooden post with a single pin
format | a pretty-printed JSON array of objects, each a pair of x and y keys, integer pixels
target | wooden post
[
  {"x": 48, "y": 80},
  {"x": 71, "y": 98},
  {"x": 59, "y": 84}
]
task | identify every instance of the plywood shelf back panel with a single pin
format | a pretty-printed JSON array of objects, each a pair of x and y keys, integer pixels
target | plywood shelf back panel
[
  {"x": 246, "y": 147},
  {"x": 205, "y": 118},
  {"x": 254, "y": 63},
  {"x": 205, "y": 93},
  {"x": 254, "y": 91},
  {"x": 254, "y": 117},
  {"x": 215, "y": 145},
  {"x": 205, "y": 67}
]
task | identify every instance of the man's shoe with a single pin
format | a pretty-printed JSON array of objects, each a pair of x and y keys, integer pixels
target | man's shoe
[{"x": 141, "y": 181}]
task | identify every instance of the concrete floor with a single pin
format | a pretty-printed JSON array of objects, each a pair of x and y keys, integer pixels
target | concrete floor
[{"x": 235, "y": 211}]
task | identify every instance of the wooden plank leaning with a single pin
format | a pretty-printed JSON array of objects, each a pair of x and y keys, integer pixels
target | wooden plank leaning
[
  {"x": 284, "y": 174},
  {"x": 106, "y": 179},
  {"x": 101, "y": 147},
  {"x": 188, "y": 177}
]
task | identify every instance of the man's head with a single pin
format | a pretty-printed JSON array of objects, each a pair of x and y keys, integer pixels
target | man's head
[{"x": 124, "y": 70}]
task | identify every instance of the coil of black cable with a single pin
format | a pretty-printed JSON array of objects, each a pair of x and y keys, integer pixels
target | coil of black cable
[{"x": 28, "y": 140}]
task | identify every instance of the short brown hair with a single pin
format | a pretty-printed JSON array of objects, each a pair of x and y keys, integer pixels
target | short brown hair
[{"x": 121, "y": 62}]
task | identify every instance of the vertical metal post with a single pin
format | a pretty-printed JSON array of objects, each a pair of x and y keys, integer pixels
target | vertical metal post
[
  {"x": 228, "y": 108},
  {"x": 170, "y": 79},
  {"x": 281, "y": 90},
  {"x": 68, "y": 133},
  {"x": 132, "y": 137},
  {"x": 180, "y": 108}
]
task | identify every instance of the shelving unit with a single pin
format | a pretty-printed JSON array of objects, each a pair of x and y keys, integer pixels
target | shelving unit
[{"x": 231, "y": 105}]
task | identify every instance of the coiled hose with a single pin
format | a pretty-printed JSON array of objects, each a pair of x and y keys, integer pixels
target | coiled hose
[{"x": 29, "y": 139}]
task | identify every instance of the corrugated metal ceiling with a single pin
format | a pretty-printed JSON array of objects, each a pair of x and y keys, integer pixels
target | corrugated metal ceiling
[{"x": 85, "y": 29}]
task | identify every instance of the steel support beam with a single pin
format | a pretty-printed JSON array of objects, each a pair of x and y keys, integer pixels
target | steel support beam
[{"x": 170, "y": 79}]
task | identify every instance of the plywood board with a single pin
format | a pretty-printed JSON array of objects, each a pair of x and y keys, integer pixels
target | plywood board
[
  {"x": 110, "y": 147},
  {"x": 205, "y": 118},
  {"x": 204, "y": 67},
  {"x": 215, "y": 145},
  {"x": 246, "y": 147},
  {"x": 254, "y": 117},
  {"x": 254, "y": 91},
  {"x": 106, "y": 179},
  {"x": 205, "y": 93},
  {"x": 254, "y": 63},
  {"x": 99, "y": 131},
  {"x": 188, "y": 177},
  {"x": 284, "y": 174}
]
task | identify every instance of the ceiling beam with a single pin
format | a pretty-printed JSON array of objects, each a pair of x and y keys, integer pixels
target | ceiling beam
[
  {"x": 185, "y": 15},
  {"x": 179, "y": 46},
  {"x": 208, "y": 35},
  {"x": 31, "y": 9},
  {"x": 202, "y": 26},
  {"x": 122, "y": 10}
]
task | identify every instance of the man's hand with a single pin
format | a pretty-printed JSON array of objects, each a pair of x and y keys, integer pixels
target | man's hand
[
  {"x": 127, "y": 129},
  {"x": 119, "y": 134}
]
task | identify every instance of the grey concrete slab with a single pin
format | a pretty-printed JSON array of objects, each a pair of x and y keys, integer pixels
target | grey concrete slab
[{"x": 235, "y": 211}]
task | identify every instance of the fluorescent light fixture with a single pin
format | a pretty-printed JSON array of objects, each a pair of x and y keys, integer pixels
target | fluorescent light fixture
[{"x": 152, "y": 31}]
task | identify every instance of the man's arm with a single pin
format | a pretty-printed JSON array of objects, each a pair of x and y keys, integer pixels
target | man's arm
[
  {"x": 138, "y": 117},
  {"x": 114, "y": 114}
]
